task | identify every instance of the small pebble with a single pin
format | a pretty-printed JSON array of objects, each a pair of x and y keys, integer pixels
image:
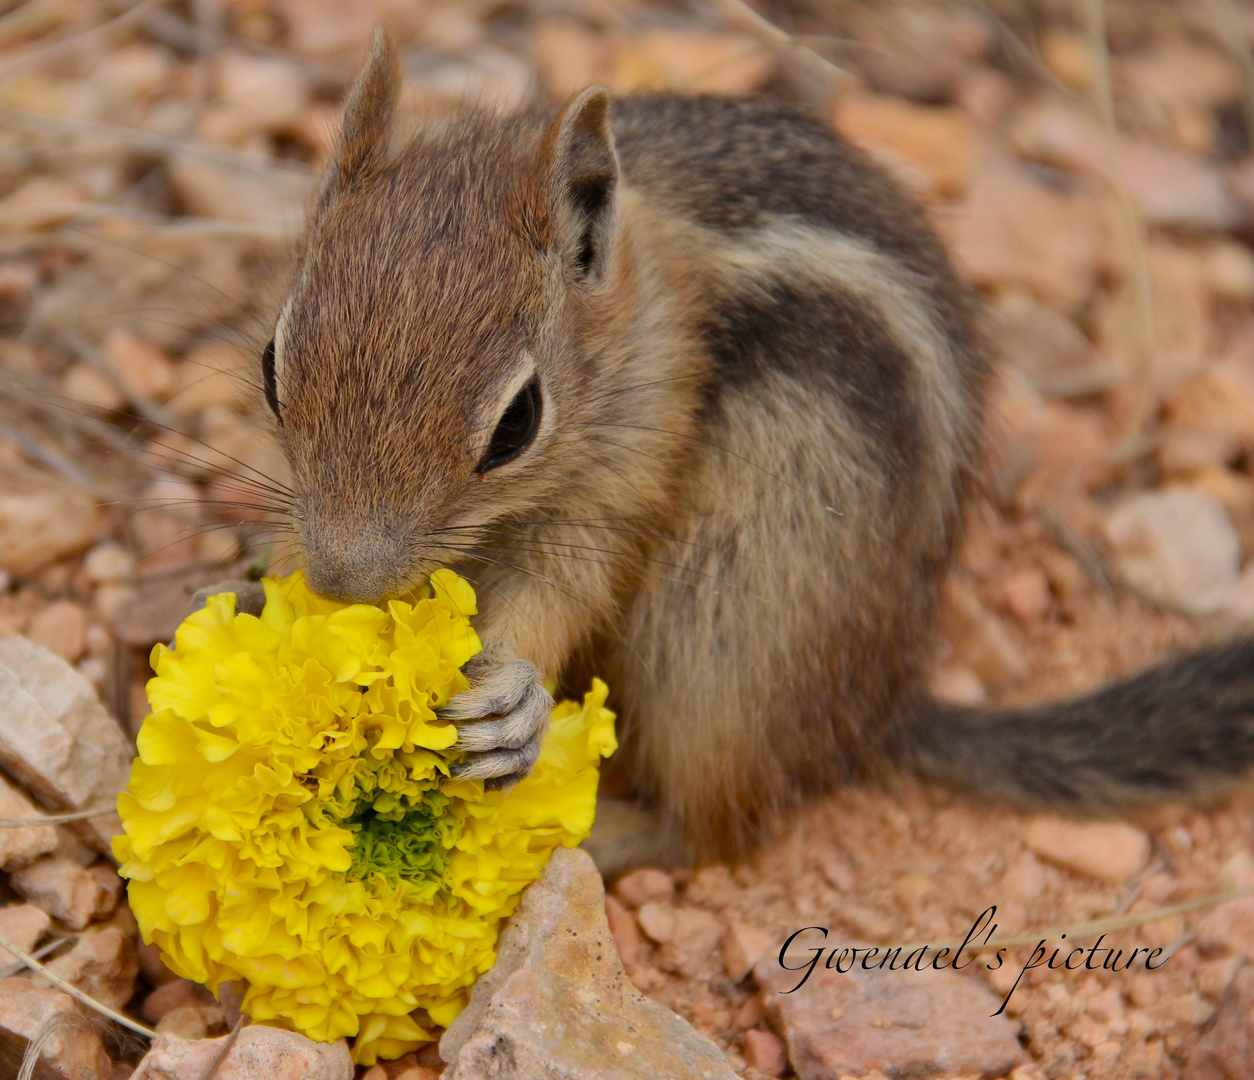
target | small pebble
[
  {"x": 644, "y": 886},
  {"x": 765, "y": 1051},
  {"x": 1104, "y": 850},
  {"x": 657, "y": 922}
]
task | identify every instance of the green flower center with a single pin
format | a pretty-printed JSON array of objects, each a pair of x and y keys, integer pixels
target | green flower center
[{"x": 412, "y": 848}]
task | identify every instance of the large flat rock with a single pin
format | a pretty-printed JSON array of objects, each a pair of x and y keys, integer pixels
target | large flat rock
[
  {"x": 57, "y": 739},
  {"x": 904, "y": 1023},
  {"x": 558, "y": 1006}
]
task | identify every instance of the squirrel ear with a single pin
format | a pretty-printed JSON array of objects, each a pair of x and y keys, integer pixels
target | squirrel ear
[
  {"x": 585, "y": 174},
  {"x": 367, "y": 119}
]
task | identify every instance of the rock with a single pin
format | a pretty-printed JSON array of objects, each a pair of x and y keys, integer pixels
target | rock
[
  {"x": 167, "y": 524},
  {"x": 145, "y": 371},
  {"x": 905, "y": 1023},
  {"x": 957, "y": 685},
  {"x": 695, "y": 939},
  {"x": 153, "y": 967},
  {"x": 646, "y": 884},
  {"x": 1182, "y": 318},
  {"x": 1225, "y": 1052},
  {"x": 1104, "y": 850},
  {"x": 323, "y": 28},
  {"x": 569, "y": 55},
  {"x": 1012, "y": 230},
  {"x": 212, "y": 374},
  {"x": 626, "y": 933},
  {"x": 256, "y": 95},
  {"x": 1175, "y": 71},
  {"x": 41, "y": 522},
  {"x": 66, "y": 891},
  {"x": 765, "y": 1051},
  {"x": 557, "y": 1004},
  {"x": 921, "y": 51},
  {"x": 85, "y": 384},
  {"x": 980, "y": 639},
  {"x": 657, "y": 921},
  {"x": 1025, "y": 592},
  {"x": 744, "y": 946},
  {"x": 108, "y": 563},
  {"x": 1068, "y": 56},
  {"x": 61, "y": 627},
  {"x": 1228, "y": 927},
  {"x": 1219, "y": 399},
  {"x": 153, "y": 613},
  {"x": 416, "y": 1072},
  {"x": 75, "y": 1052},
  {"x": 272, "y": 201},
  {"x": 695, "y": 61},
  {"x": 24, "y": 925},
  {"x": 57, "y": 739},
  {"x": 1229, "y": 270},
  {"x": 259, "y": 1053},
  {"x": 1212, "y": 977},
  {"x": 193, "y": 1022},
  {"x": 1178, "y": 547},
  {"x": 1049, "y": 348},
  {"x": 135, "y": 70},
  {"x": 1169, "y": 188},
  {"x": 175, "y": 994},
  {"x": 21, "y": 845},
  {"x": 1184, "y": 450},
  {"x": 938, "y": 140},
  {"x": 102, "y": 963}
]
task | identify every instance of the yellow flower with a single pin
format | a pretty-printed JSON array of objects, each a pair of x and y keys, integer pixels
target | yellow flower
[{"x": 291, "y": 820}]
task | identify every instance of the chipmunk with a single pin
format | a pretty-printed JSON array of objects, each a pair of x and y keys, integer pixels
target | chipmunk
[{"x": 690, "y": 392}]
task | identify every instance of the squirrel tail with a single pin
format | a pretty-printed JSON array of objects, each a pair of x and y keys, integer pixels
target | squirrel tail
[{"x": 1183, "y": 728}]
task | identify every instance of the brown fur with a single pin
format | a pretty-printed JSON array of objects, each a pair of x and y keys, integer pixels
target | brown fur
[{"x": 762, "y": 396}]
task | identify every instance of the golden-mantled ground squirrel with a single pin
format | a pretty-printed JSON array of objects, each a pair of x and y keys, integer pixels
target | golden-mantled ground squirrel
[{"x": 689, "y": 391}]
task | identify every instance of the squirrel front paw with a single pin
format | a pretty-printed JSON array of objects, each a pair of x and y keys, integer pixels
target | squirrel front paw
[
  {"x": 250, "y": 596},
  {"x": 508, "y": 711}
]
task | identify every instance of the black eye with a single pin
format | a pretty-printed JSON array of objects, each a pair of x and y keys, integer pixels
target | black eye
[
  {"x": 516, "y": 428},
  {"x": 267, "y": 380}
]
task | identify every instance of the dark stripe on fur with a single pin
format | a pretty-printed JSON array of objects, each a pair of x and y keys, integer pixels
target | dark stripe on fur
[
  {"x": 838, "y": 345},
  {"x": 730, "y": 162},
  {"x": 1182, "y": 728}
]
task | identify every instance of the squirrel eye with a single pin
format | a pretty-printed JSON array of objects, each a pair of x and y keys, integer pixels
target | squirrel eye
[
  {"x": 267, "y": 380},
  {"x": 516, "y": 428}
]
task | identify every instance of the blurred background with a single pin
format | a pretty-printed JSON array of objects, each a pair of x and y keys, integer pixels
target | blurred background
[{"x": 1089, "y": 164}]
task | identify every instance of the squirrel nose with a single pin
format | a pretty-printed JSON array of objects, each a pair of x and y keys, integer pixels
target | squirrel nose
[{"x": 360, "y": 570}]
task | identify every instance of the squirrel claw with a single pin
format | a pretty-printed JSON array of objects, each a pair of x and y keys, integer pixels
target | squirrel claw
[{"x": 505, "y": 746}]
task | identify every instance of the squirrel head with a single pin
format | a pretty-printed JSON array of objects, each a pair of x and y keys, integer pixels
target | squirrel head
[{"x": 437, "y": 356}]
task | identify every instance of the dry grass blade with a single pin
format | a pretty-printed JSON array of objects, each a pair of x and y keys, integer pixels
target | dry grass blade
[
  {"x": 24, "y": 224},
  {"x": 56, "y": 819},
  {"x": 149, "y": 142},
  {"x": 53, "y": 1027},
  {"x": 1139, "y": 306},
  {"x": 58, "y": 48},
  {"x": 38, "y": 954},
  {"x": 216, "y": 1063},
  {"x": 741, "y": 15},
  {"x": 75, "y": 992}
]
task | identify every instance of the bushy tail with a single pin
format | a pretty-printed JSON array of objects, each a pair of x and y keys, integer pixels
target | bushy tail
[{"x": 1182, "y": 728}]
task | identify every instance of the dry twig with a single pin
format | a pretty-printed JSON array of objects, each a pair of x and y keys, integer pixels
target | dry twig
[
  {"x": 75, "y": 992},
  {"x": 56, "y": 819}
]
